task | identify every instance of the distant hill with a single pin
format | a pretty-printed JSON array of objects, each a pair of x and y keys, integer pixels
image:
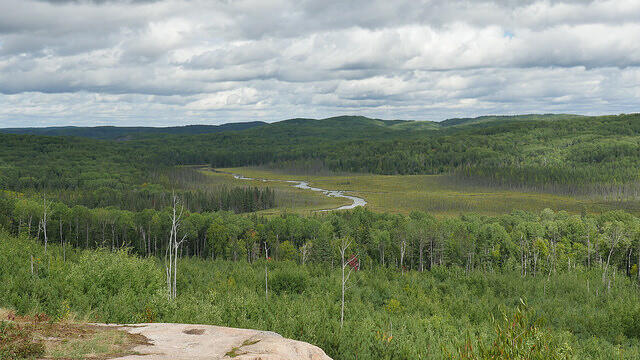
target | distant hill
[
  {"x": 504, "y": 118},
  {"x": 303, "y": 125},
  {"x": 348, "y": 121},
  {"x": 338, "y": 127},
  {"x": 127, "y": 133},
  {"x": 351, "y": 125}
]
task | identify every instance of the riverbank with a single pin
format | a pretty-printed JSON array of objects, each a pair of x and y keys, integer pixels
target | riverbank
[{"x": 355, "y": 201}]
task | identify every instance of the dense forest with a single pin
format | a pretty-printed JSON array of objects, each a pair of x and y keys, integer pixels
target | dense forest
[
  {"x": 96, "y": 227},
  {"x": 536, "y": 244},
  {"x": 575, "y": 155}
]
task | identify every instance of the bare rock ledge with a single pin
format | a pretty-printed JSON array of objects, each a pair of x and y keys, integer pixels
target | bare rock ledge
[{"x": 185, "y": 341}]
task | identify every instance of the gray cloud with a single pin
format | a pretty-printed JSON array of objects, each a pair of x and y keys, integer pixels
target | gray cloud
[{"x": 163, "y": 62}]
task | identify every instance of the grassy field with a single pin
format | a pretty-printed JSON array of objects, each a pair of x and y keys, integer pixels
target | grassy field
[
  {"x": 436, "y": 194},
  {"x": 288, "y": 197}
]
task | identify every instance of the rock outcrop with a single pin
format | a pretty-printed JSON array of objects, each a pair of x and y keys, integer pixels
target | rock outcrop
[{"x": 184, "y": 341}]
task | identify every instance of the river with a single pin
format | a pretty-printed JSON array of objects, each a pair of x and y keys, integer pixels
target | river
[{"x": 355, "y": 201}]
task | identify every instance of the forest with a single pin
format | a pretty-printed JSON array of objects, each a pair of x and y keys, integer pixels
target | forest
[
  {"x": 566, "y": 154},
  {"x": 126, "y": 229},
  {"x": 537, "y": 244}
]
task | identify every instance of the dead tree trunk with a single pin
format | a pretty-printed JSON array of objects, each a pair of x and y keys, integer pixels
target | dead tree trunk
[
  {"x": 638, "y": 259},
  {"x": 304, "y": 252},
  {"x": 172, "y": 248},
  {"x": 344, "y": 245},
  {"x": 266, "y": 271},
  {"x": 403, "y": 248},
  {"x": 421, "y": 249},
  {"x": 44, "y": 223}
]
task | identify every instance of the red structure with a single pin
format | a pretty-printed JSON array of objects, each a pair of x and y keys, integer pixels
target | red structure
[{"x": 354, "y": 262}]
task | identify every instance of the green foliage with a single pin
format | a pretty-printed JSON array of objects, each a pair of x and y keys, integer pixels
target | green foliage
[
  {"x": 287, "y": 281},
  {"x": 540, "y": 243},
  {"x": 631, "y": 322},
  {"x": 557, "y": 153},
  {"x": 388, "y": 315},
  {"x": 577, "y": 271},
  {"x": 287, "y": 251},
  {"x": 519, "y": 336},
  {"x": 17, "y": 342},
  {"x": 104, "y": 285}
]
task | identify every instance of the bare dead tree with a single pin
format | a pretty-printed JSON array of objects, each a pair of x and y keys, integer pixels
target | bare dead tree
[
  {"x": 304, "y": 251},
  {"x": 421, "y": 245},
  {"x": 266, "y": 270},
  {"x": 638, "y": 259},
  {"x": 615, "y": 234},
  {"x": 173, "y": 246},
  {"x": 345, "y": 242},
  {"x": 403, "y": 249},
  {"x": 44, "y": 221}
]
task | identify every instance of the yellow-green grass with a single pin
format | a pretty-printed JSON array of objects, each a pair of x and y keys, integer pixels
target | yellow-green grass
[
  {"x": 94, "y": 342},
  {"x": 288, "y": 198},
  {"x": 435, "y": 194}
]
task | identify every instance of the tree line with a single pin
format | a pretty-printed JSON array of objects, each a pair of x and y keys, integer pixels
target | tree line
[{"x": 537, "y": 244}]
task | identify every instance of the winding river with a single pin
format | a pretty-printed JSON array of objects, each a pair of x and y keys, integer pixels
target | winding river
[{"x": 355, "y": 201}]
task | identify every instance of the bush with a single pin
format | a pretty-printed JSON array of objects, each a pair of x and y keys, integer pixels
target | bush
[
  {"x": 103, "y": 285},
  {"x": 290, "y": 282},
  {"x": 520, "y": 336},
  {"x": 631, "y": 323}
]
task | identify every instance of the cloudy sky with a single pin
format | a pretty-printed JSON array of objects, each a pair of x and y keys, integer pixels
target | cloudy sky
[{"x": 174, "y": 62}]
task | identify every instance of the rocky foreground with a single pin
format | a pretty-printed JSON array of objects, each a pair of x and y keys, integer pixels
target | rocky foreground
[{"x": 184, "y": 341}]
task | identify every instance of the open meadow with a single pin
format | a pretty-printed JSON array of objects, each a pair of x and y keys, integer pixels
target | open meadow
[{"x": 441, "y": 195}]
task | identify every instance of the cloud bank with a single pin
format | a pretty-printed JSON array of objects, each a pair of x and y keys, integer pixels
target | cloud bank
[{"x": 172, "y": 62}]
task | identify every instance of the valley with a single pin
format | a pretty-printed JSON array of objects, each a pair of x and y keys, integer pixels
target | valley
[{"x": 387, "y": 239}]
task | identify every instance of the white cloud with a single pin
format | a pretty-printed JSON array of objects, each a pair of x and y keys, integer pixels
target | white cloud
[{"x": 169, "y": 62}]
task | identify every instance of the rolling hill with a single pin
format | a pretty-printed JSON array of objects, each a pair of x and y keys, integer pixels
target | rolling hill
[
  {"x": 301, "y": 126},
  {"x": 127, "y": 133}
]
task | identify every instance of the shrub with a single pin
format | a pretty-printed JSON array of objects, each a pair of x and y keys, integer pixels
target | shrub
[
  {"x": 631, "y": 323},
  {"x": 520, "y": 336},
  {"x": 288, "y": 282},
  {"x": 107, "y": 286}
]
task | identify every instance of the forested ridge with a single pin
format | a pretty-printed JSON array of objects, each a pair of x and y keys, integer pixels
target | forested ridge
[
  {"x": 97, "y": 173},
  {"x": 138, "y": 179},
  {"x": 129, "y": 133},
  {"x": 570, "y": 154}
]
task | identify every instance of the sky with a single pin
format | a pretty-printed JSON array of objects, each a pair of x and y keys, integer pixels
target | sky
[{"x": 178, "y": 62}]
